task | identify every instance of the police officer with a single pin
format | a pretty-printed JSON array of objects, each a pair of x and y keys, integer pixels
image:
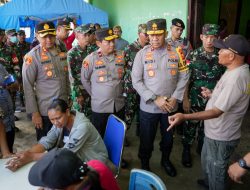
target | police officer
[
  {"x": 132, "y": 99},
  {"x": 176, "y": 40},
  {"x": 159, "y": 76},
  {"x": 6, "y": 103},
  {"x": 101, "y": 75},
  {"x": 205, "y": 71},
  {"x": 45, "y": 77},
  {"x": 75, "y": 57}
]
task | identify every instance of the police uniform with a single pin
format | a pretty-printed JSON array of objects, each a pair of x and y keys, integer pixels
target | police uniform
[
  {"x": 45, "y": 77},
  {"x": 6, "y": 106},
  {"x": 101, "y": 76},
  {"x": 75, "y": 58},
  {"x": 157, "y": 72},
  {"x": 132, "y": 99},
  {"x": 182, "y": 42},
  {"x": 205, "y": 71}
]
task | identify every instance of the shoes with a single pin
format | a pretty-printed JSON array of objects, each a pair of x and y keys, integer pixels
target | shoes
[
  {"x": 186, "y": 156},
  {"x": 145, "y": 165},
  {"x": 202, "y": 183},
  {"x": 169, "y": 168}
]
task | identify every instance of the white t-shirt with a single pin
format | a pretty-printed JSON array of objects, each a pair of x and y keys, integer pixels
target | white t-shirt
[{"x": 230, "y": 95}]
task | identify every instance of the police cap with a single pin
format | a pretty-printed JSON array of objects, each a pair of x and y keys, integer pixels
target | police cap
[{"x": 156, "y": 26}]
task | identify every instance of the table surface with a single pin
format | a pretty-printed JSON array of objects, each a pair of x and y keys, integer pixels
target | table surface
[{"x": 15, "y": 180}]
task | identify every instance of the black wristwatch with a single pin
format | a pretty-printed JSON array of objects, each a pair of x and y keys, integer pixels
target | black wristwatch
[{"x": 242, "y": 163}]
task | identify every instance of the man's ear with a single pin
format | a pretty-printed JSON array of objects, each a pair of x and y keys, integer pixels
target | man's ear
[
  {"x": 98, "y": 43},
  {"x": 201, "y": 37}
]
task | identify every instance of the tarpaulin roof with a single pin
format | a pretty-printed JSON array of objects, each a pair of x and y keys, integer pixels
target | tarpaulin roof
[{"x": 17, "y": 11}]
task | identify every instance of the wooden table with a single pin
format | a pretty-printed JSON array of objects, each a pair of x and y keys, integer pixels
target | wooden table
[{"x": 15, "y": 180}]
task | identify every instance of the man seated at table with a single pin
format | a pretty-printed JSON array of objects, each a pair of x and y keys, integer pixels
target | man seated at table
[{"x": 71, "y": 130}]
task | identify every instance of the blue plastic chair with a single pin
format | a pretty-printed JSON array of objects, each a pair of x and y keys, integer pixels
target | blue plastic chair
[
  {"x": 114, "y": 139},
  {"x": 145, "y": 180}
]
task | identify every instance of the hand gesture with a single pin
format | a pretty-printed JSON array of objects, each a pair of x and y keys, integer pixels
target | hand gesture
[
  {"x": 206, "y": 93},
  {"x": 174, "y": 120},
  {"x": 37, "y": 120}
]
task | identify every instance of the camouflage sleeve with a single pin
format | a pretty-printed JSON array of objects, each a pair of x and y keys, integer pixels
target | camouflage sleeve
[{"x": 76, "y": 82}]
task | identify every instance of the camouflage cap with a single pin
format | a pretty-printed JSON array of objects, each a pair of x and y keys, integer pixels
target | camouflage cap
[
  {"x": 21, "y": 32},
  {"x": 142, "y": 28},
  {"x": 10, "y": 32},
  {"x": 92, "y": 28},
  {"x": 210, "y": 29},
  {"x": 178, "y": 22},
  {"x": 83, "y": 29},
  {"x": 156, "y": 26}
]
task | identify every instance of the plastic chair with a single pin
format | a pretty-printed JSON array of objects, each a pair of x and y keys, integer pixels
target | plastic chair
[
  {"x": 145, "y": 180},
  {"x": 114, "y": 139}
]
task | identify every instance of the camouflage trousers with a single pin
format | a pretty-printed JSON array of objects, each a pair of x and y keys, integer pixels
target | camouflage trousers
[
  {"x": 190, "y": 127},
  {"x": 85, "y": 107},
  {"x": 132, "y": 102}
]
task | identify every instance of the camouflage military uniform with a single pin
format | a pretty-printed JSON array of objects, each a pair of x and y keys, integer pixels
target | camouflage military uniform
[
  {"x": 75, "y": 58},
  {"x": 91, "y": 48},
  {"x": 132, "y": 99},
  {"x": 204, "y": 71}
]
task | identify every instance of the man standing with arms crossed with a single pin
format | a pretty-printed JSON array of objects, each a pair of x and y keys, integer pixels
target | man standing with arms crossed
[{"x": 159, "y": 77}]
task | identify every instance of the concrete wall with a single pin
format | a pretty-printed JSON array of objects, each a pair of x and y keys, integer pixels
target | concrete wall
[{"x": 130, "y": 13}]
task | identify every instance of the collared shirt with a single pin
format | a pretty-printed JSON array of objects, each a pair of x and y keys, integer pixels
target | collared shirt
[
  {"x": 45, "y": 77},
  {"x": 83, "y": 139},
  {"x": 102, "y": 77},
  {"x": 183, "y": 43},
  {"x": 159, "y": 72}
]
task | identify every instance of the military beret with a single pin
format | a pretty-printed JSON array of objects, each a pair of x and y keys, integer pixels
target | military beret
[
  {"x": 210, "y": 29},
  {"x": 82, "y": 29},
  {"x": 156, "y": 26},
  {"x": 105, "y": 34},
  {"x": 21, "y": 32},
  {"x": 64, "y": 23},
  {"x": 45, "y": 28},
  {"x": 142, "y": 28},
  {"x": 235, "y": 43},
  {"x": 178, "y": 22},
  {"x": 10, "y": 32}
]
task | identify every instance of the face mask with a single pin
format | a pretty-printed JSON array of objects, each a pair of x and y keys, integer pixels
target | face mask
[{"x": 13, "y": 39}]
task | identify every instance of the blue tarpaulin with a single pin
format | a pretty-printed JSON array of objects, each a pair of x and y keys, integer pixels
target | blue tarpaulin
[{"x": 26, "y": 13}]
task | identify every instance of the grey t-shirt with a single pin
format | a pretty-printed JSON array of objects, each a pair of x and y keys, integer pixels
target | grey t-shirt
[
  {"x": 230, "y": 95},
  {"x": 84, "y": 140}
]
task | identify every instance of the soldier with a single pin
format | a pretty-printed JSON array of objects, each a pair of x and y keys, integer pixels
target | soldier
[
  {"x": 62, "y": 33},
  {"x": 205, "y": 71},
  {"x": 120, "y": 43},
  {"x": 132, "y": 99},
  {"x": 45, "y": 77},
  {"x": 159, "y": 76},
  {"x": 92, "y": 39},
  {"x": 75, "y": 57},
  {"x": 23, "y": 48},
  {"x": 101, "y": 75},
  {"x": 176, "y": 40}
]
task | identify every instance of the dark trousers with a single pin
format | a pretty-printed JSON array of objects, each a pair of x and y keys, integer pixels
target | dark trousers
[
  {"x": 99, "y": 120},
  {"x": 148, "y": 128},
  {"x": 46, "y": 127},
  {"x": 10, "y": 137}
]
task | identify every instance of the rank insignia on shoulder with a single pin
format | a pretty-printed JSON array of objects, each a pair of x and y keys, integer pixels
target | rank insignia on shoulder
[
  {"x": 28, "y": 60},
  {"x": 85, "y": 64}
]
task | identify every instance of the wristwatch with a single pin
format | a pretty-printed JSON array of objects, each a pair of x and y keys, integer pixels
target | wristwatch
[
  {"x": 242, "y": 163},
  {"x": 153, "y": 98}
]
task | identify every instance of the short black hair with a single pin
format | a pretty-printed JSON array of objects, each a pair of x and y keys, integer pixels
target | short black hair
[{"x": 59, "y": 105}]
